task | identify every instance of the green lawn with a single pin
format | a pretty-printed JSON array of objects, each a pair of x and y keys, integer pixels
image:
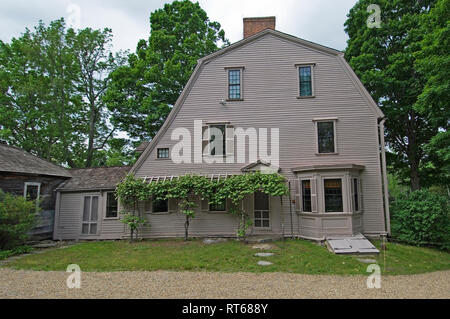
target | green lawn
[{"x": 295, "y": 256}]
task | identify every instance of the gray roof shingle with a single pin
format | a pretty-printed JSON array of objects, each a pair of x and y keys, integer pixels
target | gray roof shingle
[
  {"x": 16, "y": 160},
  {"x": 94, "y": 178}
]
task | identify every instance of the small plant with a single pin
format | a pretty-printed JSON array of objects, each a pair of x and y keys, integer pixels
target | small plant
[
  {"x": 134, "y": 222},
  {"x": 15, "y": 251}
]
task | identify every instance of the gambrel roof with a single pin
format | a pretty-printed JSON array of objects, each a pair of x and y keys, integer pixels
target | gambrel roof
[{"x": 267, "y": 32}]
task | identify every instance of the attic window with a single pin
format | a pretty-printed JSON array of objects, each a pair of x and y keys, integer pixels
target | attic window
[{"x": 163, "y": 152}]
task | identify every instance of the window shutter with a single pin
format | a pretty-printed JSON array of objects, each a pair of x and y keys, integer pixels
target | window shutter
[
  {"x": 205, "y": 140},
  {"x": 314, "y": 195},
  {"x": 229, "y": 140},
  {"x": 297, "y": 195},
  {"x": 205, "y": 205}
]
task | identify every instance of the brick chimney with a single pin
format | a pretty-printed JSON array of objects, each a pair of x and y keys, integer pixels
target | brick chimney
[{"x": 255, "y": 25}]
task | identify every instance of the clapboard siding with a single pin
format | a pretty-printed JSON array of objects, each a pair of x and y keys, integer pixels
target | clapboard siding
[
  {"x": 270, "y": 89},
  {"x": 69, "y": 213}
]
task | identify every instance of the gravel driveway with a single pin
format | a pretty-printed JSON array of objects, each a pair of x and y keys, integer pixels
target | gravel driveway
[{"x": 166, "y": 284}]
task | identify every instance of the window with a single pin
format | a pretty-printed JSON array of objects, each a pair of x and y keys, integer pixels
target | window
[
  {"x": 221, "y": 207},
  {"x": 90, "y": 215},
  {"x": 32, "y": 191},
  {"x": 234, "y": 84},
  {"x": 111, "y": 206},
  {"x": 333, "y": 195},
  {"x": 163, "y": 153},
  {"x": 261, "y": 210},
  {"x": 306, "y": 195},
  {"x": 305, "y": 81},
  {"x": 326, "y": 137},
  {"x": 217, "y": 139},
  {"x": 160, "y": 206},
  {"x": 355, "y": 194}
]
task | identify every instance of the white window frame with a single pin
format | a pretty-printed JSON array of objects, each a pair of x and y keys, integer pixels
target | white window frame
[
  {"x": 313, "y": 91},
  {"x": 241, "y": 78},
  {"x": 316, "y": 128},
  {"x": 25, "y": 190}
]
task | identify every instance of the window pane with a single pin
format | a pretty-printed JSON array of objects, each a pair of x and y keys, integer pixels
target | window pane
[
  {"x": 265, "y": 215},
  {"x": 305, "y": 81},
  {"x": 257, "y": 223},
  {"x": 234, "y": 76},
  {"x": 86, "y": 210},
  {"x": 306, "y": 195},
  {"x": 261, "y": 201},
  {"x": 85, "y": 229},
  {"x": 266, "y": 223},
  {"x": 111, "y": 206},
  {"x": 333, "y": 195},
  {"x": 160, "y": 206},
  {"x": 94, "y": 212},
  {"x": 258, "y": 215},
  {"x": 93, "y": 230},
  {"x": 325, "y": 134},
  {"x": 355, "y": 194},
  {"x": 32, "y": 192}
]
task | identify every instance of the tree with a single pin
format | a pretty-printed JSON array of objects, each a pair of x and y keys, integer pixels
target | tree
[
  {"x": 384, "y": 59},
  {"x": 434, "y": 60},
  {"x": 51, "y": 92},
  {"x": 142, "y": 93}
]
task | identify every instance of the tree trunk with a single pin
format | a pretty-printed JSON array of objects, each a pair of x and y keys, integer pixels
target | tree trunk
[
  {"x": 186, "y": 227},
  {"x": 92, "y": 120},
  {"x": 414, "y": 176}
]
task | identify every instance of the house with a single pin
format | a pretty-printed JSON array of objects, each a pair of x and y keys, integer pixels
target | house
[
  {"x": 86, "y": 207},
  {"x": 24, "y": 174},
  {"x": 274, "y": 103}
]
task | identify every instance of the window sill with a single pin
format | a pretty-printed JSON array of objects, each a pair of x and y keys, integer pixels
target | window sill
[
  {"x": 234, "y": 100},
  {"x": 162, "y": 159},
  {"x": 325, "y": 154},
  {"x": 111, "y": 218},
  {"x": 159, "y": 213},
  {"x": 217, "y": 211},
  {"x": 306, "y": 97},
  {"x": 330, "y": 214}
]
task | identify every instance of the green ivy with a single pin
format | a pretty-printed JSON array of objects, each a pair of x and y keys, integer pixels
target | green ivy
[{"x": 133, "y": 189}]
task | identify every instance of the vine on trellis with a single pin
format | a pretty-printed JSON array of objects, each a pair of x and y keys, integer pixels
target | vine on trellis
[{"x": 133, "y": 189}]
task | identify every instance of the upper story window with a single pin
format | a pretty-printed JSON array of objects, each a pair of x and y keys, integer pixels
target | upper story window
[
  {"x": 111, "y": 206},
  {"x": 333, "y": 195},
  {"x": 326, "y": 135},
  {"x": 235, "y": 84},
  {"x": 163, "y": 153},
  {"x": 217, "y": 140},
  {"x": 305, "y": 81}
]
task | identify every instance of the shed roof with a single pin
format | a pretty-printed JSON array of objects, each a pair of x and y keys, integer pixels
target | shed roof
[
  {"x": 94, "y": 178},
  {"x": 16, "y": 160}
]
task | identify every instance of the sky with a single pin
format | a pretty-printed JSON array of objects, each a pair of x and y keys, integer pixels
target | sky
[{"x": 320, "y": 21}]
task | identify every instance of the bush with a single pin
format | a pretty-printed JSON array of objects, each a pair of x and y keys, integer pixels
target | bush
[
  {"x": 15, "y": 251},
  {"x": 17, "y": 217},
  {"x": 422, "y": 218}
]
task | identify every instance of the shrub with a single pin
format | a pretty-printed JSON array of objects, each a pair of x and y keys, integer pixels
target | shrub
[
  {"x": 422, "y": 218},
  {"x": 15, "y": 251},
  {"x": 17, "y": 217}
]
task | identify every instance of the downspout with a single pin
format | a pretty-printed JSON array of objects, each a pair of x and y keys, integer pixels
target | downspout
[{"x": 385, "y": 180}]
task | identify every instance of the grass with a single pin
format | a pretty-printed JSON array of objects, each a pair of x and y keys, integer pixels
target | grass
[{"x": 293, "y": 256}]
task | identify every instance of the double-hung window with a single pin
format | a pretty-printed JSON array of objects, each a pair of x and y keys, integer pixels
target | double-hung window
[
  {"x": 305, "y": 81},
  {"x": 234, "y": 84},
  {"x": 326, "y": 137},
  {"x": 306, "y": 195},
  {"x": 333, "y": 195},
  {"x": 111, "y": 206},
  {"x": 217, "y": 139},
  {"x": 160, "y": 206}
]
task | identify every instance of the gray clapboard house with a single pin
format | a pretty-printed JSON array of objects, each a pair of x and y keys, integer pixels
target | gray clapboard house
[{"x": 330, "y": 146}]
